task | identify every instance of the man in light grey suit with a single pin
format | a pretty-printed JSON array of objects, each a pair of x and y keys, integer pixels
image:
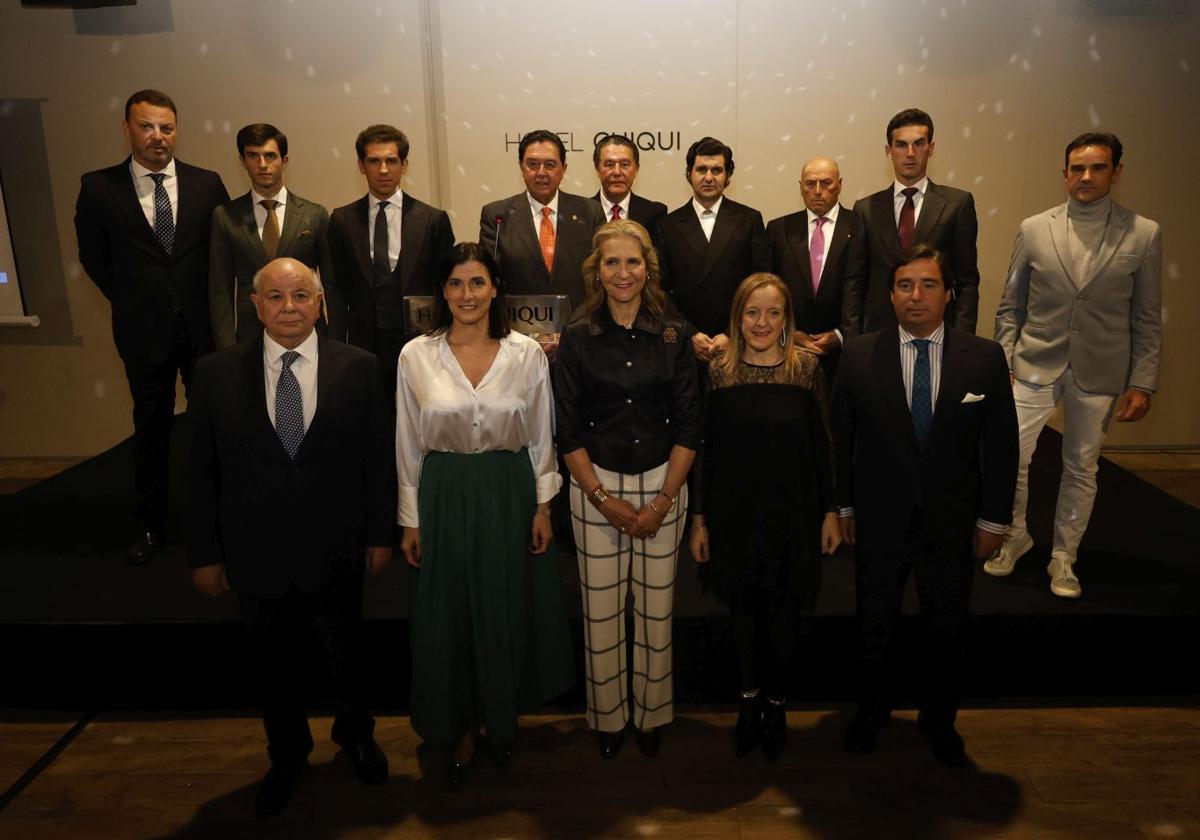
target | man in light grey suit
[
  {"x": 1081, "y": 322},
  {"x": 266, "y": 223}
]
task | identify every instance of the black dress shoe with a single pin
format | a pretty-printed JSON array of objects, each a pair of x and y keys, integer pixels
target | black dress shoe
[
  {"x": 502, "y": 754},
  {"x": 370, "y": 764},
  {"x": 649, "y": 741},
  {"x": 748, "y": 731},
  {"x": 863, "y": 729},
  {"x": 945, "y": 742},
  {"x": 458, "y": 772},
  {"x": 276, "y": 788},
  {"x": 148, "y": 543},
  {"x": 610, "y": 743},
  {"x": 774, "y": 728}
]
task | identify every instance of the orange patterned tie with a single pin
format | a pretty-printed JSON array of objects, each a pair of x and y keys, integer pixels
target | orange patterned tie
[{"x": 546, "y": 240}]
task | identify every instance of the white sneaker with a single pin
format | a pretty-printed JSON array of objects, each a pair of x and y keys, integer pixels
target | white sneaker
[
  {"x": 1002, "y": 563},
  {"x": 1063, "y": 582}
]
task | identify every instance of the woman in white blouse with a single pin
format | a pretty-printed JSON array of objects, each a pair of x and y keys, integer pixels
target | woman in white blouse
[{"x": 477, "y": 471}]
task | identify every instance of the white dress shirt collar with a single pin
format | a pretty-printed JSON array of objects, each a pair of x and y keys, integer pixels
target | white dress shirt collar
[
  {"x": 935, "y": 337},
  {"x": 140, "y": 171},
  {"x": 608, "y": 205},
  {"x": 396, "y": 199},
  {"x": 256, "y": 199},
  {"x": 897, "y": 189},
  {"x": 274, "y": 350},
  {"x": 537, "y": 206},
  {"x": 831, "y": 216},
  {"x": 701, "y": 210}
]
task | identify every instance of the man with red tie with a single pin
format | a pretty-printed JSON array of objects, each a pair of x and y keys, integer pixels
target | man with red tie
[
  {"x": 617, "y": 161},
  {"x": 912, "y": 210}
]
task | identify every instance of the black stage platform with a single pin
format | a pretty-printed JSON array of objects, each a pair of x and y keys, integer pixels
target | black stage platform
[{"x": 79, "y": 627}]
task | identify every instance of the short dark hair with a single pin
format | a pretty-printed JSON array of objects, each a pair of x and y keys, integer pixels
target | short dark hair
[
  {"x": 615, "y": 140},
  {"x": 541, "y": 135},
  {"x": 465, "y": 252},
  {"x": 910, "y": 116},
  {"x": 916, "y": 253},
  {"x": 152, "y": 97},
  {"x": 1096, "y": 138},
  {"x": 259, "y": 134},
  {"x": 381, "y": 133},
  {"x": 710, "y": 146}
]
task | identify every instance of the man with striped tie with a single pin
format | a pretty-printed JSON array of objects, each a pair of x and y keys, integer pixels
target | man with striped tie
[
  {"x": 925, "y": 437},
  {"x": 143, "y": 228},
  {"x": 292, "y": 499}
]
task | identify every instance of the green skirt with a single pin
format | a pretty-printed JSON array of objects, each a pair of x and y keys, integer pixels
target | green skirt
[{"x": 489, "y": 633}]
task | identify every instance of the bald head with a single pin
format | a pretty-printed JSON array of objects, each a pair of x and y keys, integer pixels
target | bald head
[
  {"x": 820, "y": 185},
  {"x": 288, "y": 297}
]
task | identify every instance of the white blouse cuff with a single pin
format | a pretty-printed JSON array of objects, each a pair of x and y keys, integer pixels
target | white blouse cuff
[
  {"x": 548, "y": 486},
  {"x": 408, "y": 517}
]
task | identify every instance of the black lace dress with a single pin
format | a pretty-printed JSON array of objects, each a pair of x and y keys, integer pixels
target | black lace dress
[{"x": 765, "y": 479}]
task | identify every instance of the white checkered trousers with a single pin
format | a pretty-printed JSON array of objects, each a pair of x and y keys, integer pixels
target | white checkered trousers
[{"x": 610, "y": 563}]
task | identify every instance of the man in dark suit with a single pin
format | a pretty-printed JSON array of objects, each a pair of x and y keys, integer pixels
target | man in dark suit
[
  {"x": 292, "y": 498},
  {"x": 709, "y": 246},
  {"x": 541, "y": 237},
  {"x": 385, "y": 246},
  {"x": 810, "y": 250},
  {"x": 617, "y": 161},
  {"x": 912, "y": 209},
  {"x": 142, "y": 227},
  {"x": 268, "y": 222},
  {"x": 925, "y": 435}
]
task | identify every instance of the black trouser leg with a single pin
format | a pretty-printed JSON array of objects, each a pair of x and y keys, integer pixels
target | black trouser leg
[
  {"x": 337, "y": 624},
  {"x": 944, "y": 590},
  {"x": 879, "y": 591},
  {"x": 277, "y": 634}
]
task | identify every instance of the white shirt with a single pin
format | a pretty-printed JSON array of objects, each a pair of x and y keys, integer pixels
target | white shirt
[
  {"x": 608, "y": 205},
  {"x": 439, "y": 411},
  {"x": 260, "y": 212},
  {"x": 918, "y": 199},
  {"x": 305, "y": 369},
  {"x": 707, "y": 216},
  {"x": 394, "y": 213},
  {"x": 826, "y": 229},
  {"x": 144, "y": 185},
  {"x": 536, "y": 208}
]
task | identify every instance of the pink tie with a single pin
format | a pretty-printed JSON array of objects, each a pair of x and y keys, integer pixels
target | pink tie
[
  {"x": 816, "y": 253},
  {"x": 616, "y": 212}
]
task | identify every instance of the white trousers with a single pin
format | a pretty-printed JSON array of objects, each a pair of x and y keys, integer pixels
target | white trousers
[
  {"x": 1085, "y": 423},
  {"x": 609, "y": 562}
]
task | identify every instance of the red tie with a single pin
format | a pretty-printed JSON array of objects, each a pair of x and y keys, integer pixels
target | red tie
[
  {"x": 907, "y": 225},
  {"x": 616, "y": 212}
]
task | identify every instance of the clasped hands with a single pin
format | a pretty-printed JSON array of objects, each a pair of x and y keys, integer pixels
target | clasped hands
[{"x": 622, "y": 515}]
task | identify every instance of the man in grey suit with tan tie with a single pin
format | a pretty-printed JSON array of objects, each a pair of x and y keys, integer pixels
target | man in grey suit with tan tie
[
  {"x": 255, "y": 228},
  {"x": 1081, "y": 323}
]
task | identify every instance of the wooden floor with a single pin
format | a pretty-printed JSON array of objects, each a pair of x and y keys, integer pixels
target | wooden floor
[{"x": 1036, "y": 773}]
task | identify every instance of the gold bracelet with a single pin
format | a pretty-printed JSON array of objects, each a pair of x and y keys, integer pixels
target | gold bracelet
[{"x": 598, "y": 496}]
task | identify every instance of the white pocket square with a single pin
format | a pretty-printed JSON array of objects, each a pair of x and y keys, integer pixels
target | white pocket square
[{"x": 970, "y": 398}]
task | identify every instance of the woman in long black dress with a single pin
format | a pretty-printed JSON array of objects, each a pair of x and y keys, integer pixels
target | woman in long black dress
[{"x": 765, "y": 509}]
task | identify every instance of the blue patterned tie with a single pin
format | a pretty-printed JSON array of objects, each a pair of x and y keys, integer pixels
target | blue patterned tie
[
  {"x": 922, "y": 409},
  {"x": 164, "y": 223},
  {"x": 289, "y": 407}
]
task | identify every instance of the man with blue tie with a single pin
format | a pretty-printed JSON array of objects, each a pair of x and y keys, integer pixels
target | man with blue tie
[
  {"x": 292, "y": 499},
  {"x": 925, "y": 435},
  {"x": 143, "y": 231}
]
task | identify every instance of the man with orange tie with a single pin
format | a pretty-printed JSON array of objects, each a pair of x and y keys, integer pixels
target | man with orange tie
[
  {"x": 541, "y": 237},
  {"x": 617, "y": 161},
  {"x": 911, "y": 210},
  {"x": 267, "y": 222}
]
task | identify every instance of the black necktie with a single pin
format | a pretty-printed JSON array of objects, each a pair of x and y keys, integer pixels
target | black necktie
[
  {"x": 164, "y": 222},
  {"x": 922, "y": 401},
  {"x": 379, "y": 257}
]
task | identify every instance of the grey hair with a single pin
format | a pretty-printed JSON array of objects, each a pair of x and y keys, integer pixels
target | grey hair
[{"x": 313, "y": 276}]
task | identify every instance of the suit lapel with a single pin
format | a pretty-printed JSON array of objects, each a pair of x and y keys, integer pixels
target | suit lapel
[
  {"x": 520, "y": 217},
  {"x": 841, "y": 237},
  {"x": 254, "y": 400},
  {"x": 1118, "y": 223},
  {"x": 569, "y": 230},
  {"x": 412, "y": 233},
  {"x": 242, "y": 214},
  {"x": 797, "y": 237},
  {"x": 951, "y": 389},
  {"x": 358, "y": 236},
  {"x": 896, "y": 417},
  {"x": 127, "y": 199},
  {"x": 883, "y": 214},
  {"x": 722, "y": 234},
  {"x": 329, "y": 378},
  {"x": 293, "y": 216},
  {"x": 931, "y": 211},
  {"x": 1058, "y": 235}
]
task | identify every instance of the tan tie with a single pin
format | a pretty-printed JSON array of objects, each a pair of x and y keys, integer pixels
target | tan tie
[
  {"x": 546, "y": 240},
  {"x": 271, "y": 228}
]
